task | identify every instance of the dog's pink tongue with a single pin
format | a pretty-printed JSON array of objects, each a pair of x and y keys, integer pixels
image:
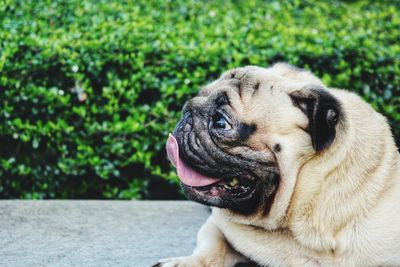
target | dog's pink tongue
[{"x": 186, "y": 174}]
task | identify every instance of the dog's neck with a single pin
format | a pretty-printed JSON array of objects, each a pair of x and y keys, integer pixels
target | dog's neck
[{"x": 348, "y": 179}]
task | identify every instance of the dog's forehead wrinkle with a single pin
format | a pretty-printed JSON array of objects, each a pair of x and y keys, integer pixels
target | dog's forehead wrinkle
[{"x": 218, "y": 85}]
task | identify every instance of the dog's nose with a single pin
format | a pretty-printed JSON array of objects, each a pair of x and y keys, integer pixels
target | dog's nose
[
  {"x": 185, "y": 120},
  {"x": 186, "y": 108}
]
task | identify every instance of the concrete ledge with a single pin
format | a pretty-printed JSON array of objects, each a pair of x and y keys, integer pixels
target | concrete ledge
[{"x": 96, "y": 233}]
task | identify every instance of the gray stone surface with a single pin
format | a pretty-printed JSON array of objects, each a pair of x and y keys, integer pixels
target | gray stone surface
[{"x": 96, "y": 233}]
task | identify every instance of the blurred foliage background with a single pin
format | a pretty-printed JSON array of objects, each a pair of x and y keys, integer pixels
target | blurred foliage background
[{"x": 90, "y": 89}]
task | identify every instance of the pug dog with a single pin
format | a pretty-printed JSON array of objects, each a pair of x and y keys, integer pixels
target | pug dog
[{"x": 297, "y": 174}]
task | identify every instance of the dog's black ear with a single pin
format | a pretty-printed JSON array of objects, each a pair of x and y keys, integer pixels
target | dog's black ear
[{"x": 323, "y": 112}]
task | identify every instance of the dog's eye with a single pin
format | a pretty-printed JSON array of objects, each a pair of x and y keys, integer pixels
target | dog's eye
[{"x": 220, "y": 122}]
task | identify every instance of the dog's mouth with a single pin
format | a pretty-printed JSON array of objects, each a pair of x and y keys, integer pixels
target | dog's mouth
[{"x": 238, "y": 191}]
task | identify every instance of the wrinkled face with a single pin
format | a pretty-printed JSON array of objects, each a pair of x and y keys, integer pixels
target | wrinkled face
[{"x": 229, "y": 143}]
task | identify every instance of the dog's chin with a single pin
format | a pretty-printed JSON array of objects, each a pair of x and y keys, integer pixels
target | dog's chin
[{"x": 240, "y": 194}]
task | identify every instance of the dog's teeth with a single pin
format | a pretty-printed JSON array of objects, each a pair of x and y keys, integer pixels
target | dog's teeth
[{"x": 234, "y": 182}]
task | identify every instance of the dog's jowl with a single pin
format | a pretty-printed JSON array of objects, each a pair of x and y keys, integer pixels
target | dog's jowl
[{"x": 297, "y": 174}]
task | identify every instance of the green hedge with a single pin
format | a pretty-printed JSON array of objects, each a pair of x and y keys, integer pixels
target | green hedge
[{"x": 89, "y": 89}]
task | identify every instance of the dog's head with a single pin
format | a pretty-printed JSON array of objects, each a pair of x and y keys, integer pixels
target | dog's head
[{"x": 241, "y": 135}]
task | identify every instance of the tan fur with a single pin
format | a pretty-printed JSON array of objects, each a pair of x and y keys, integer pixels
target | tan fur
[{"x": 337, "y": 207}]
